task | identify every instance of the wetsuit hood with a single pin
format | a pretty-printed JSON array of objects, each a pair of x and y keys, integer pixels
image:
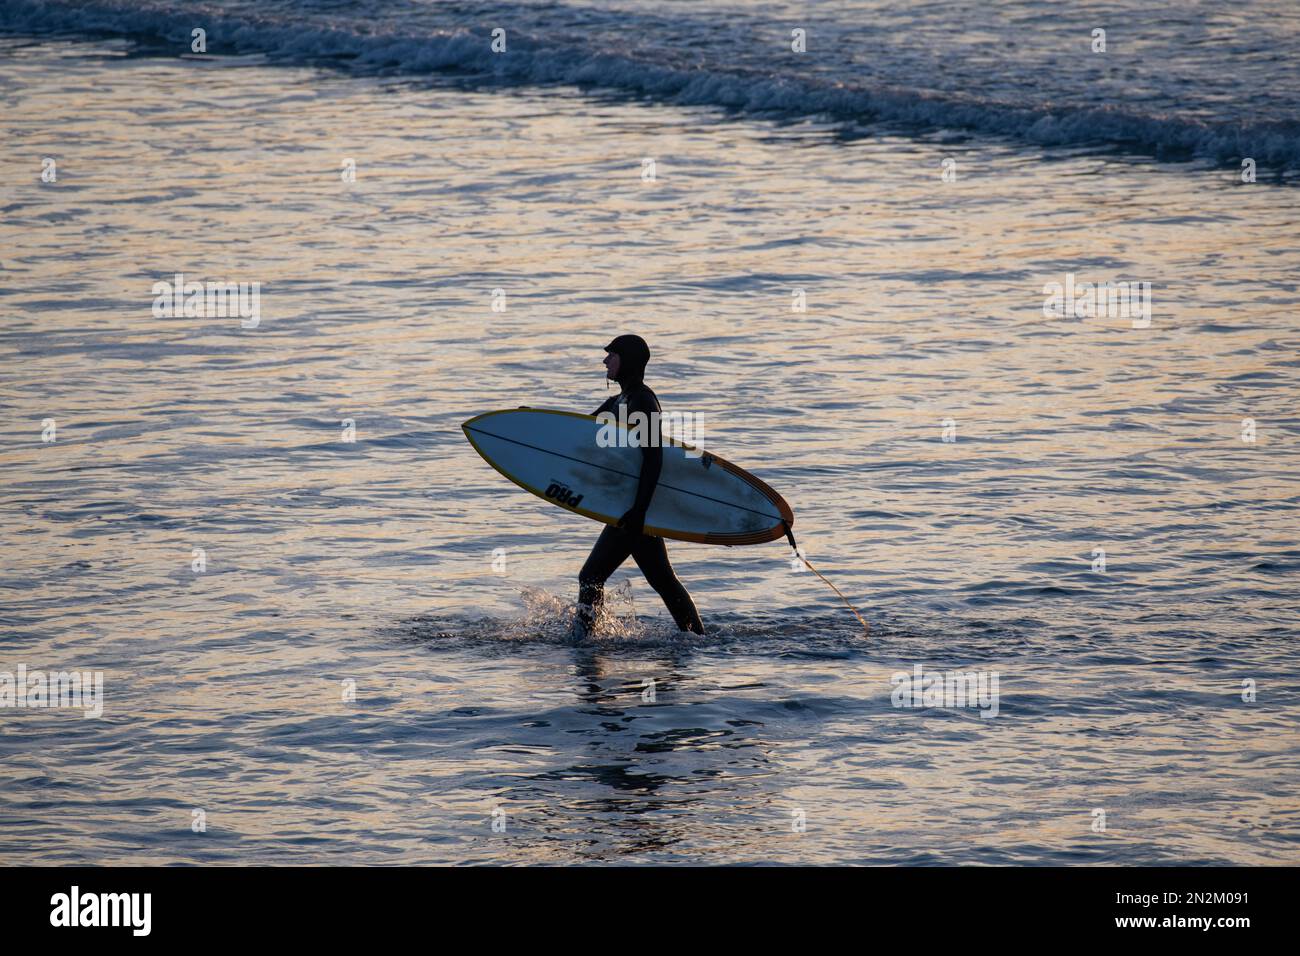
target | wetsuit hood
[{"x": 633, "y": 355}]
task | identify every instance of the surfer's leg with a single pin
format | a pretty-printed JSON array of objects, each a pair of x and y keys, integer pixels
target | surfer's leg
[
  {"x": 611, "y": 550},
  {"x": 651, "y": 556}
]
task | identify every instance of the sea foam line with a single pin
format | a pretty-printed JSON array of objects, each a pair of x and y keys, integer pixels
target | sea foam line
[{"x": 535, "y": 61}]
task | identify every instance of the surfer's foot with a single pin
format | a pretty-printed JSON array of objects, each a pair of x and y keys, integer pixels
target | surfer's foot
[
  {"x": 579, "y": 630},
  {"x": 684, "y": 614}
]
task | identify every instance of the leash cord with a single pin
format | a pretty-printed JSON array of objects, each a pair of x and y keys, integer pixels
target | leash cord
[{"x": 799, "y": 554}]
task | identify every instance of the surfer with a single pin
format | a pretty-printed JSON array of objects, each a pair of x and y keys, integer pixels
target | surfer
[{"x": 625, "y": 364}]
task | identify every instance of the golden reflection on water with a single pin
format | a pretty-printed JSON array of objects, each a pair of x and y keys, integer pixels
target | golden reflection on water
[{"x": 924, "y": 303}]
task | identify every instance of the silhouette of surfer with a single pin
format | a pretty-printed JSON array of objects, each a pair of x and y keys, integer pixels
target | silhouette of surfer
[{"x": 625, "y": 364}]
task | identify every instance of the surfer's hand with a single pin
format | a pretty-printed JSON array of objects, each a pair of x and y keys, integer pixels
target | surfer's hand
[{"x": 633, "y": 522}]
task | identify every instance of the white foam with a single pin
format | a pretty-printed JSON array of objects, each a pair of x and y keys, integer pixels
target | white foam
[{"x": 385, "y": 49}]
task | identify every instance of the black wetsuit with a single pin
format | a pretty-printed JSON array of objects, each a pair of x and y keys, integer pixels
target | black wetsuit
[{"x": 615, "y": 544}]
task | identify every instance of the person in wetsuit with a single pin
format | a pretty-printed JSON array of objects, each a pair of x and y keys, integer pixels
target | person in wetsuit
[{"x": 625, "y": 364}]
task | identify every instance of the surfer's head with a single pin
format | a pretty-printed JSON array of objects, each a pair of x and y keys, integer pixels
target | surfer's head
[{"x": 627, "y": 358}]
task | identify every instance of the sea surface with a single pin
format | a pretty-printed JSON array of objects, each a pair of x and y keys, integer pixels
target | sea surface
[{"x": 329, "y": 633}]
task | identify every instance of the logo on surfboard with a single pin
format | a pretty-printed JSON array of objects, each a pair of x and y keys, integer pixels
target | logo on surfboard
[{"x": 560, "y": 494}]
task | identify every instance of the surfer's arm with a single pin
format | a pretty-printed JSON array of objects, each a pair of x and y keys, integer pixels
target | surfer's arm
[{"x": 652, "y": 463}]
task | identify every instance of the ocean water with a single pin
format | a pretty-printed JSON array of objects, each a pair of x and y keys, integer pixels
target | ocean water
[{"x": 369, "y": 664}]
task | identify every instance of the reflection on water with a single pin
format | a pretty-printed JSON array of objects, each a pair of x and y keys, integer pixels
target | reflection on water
[{"x": 334, "y": 568}]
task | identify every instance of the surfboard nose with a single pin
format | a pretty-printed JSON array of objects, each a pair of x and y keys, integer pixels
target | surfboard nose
[{"x": 465, "y": 425}]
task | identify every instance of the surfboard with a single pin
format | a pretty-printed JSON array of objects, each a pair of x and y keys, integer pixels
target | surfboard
[{"x": 700, "y": 497}]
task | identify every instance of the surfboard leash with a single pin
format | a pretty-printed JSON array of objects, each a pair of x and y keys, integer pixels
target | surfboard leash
[{"x": 800, "y": 555}]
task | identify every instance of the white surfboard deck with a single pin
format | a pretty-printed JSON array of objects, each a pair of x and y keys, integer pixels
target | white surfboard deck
[{"x": 700, "y": 497}]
